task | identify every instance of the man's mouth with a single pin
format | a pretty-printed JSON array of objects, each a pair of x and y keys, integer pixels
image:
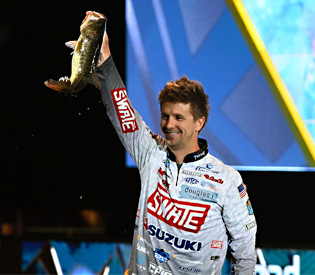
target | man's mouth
[{"x": 170, "y": 133}]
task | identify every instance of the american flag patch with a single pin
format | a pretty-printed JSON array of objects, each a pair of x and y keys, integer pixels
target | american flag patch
[{"x": 242, "y": 190}]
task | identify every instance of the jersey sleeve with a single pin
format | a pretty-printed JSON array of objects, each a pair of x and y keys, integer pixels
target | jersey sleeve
[
  {"x": 240, "y": 221},
  {"x": 134, "y": 134}
]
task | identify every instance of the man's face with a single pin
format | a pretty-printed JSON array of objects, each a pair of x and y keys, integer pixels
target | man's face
[{"x": 179, "y": 126}]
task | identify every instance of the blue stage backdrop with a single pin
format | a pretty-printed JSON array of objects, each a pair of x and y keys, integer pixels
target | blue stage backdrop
[
  {"x": 60, "y": 257},
  {"x": 201, "y": 39}
]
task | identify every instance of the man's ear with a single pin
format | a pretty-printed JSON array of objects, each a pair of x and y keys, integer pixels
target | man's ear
[{"x": 201, "y": 121}]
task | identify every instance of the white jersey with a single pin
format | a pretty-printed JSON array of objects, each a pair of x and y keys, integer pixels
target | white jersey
[{"x": 187, "y": 215}]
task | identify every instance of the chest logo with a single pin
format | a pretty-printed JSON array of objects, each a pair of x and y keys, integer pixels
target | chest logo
[{"x": 183, "y": 215}]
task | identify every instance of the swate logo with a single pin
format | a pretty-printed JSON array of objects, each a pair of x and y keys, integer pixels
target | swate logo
[
  {"x": 183, "y": 215},
  {"x": 124, "y": 111}
]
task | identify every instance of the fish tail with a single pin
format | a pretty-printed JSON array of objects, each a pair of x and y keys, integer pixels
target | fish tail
[{"x": 62, "y": 85}]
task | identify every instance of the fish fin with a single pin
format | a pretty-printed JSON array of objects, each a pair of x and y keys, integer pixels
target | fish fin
[
  {"x": 62, "y": 85},
  {"x": 94, "y": 80},
  {"x": 71, "y": 44}
]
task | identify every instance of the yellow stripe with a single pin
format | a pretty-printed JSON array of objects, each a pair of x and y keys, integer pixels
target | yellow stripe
[{"x": 274, "y": 80}]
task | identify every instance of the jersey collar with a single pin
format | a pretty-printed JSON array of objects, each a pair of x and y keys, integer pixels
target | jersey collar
[{"x": 202, "y": 152}]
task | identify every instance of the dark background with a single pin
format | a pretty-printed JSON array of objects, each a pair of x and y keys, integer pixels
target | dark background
[{"x": 61, "y": 159}]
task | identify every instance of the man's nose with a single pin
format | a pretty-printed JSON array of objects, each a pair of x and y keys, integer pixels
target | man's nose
[{"x": 170, "y": 123}]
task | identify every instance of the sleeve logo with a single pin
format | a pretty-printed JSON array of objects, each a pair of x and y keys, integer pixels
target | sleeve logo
[{"x": 124, "y": 111}]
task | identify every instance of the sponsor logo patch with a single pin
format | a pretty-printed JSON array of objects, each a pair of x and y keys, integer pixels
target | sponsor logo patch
[
  {"x": 217, "y": 244},
  {"x": 186, "y": 260},
  {"x": 191, "y": 180},
  {"x": 187, "y": 216},
  {"x": 142, "y": 249},
  {"x": 139, "y": 238},
  {"x": 191, "y": 173},
  {"x": 140, "y": 261},
  {"x": 242, "y": 190},
  {"x": 210, "y": 185},
  {"x": 205, "y": 168},
  {"x": 161, "y": 255},
  {"x": 250, "y": 225},
  {"x": 161, "y": 174},
  {"x": 214, "y": 179},
  {"x": 250, "y": 208},
  {"x": 124, "y": 111},
  {"x": 189, "y": 192},
  {"x": 192, "y": 270},
  {"x": 200, "y": 155},
  {"x": 172, "y": 240},
  {"x": 168, "y": 165},
  {"x": 155, "y": 269}
]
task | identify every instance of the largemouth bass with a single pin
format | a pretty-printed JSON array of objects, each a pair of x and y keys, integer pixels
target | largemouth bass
[{"x": 85, "y": 56}]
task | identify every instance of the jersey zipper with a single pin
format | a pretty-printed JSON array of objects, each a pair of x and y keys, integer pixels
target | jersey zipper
[{"x": 178, "y": 170}]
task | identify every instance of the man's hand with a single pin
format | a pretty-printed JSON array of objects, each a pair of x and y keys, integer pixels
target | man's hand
[{"x": 105, "y": 52}]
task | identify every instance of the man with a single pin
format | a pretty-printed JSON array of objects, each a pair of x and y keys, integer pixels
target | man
[{"x": 192, "y": 206}]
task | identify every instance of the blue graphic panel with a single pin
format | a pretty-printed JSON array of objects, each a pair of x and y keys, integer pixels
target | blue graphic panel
[
  {"x": 95, "y": 257},
  {"x": 200, "y": 39},
  {"x": 78, "y": 258}
]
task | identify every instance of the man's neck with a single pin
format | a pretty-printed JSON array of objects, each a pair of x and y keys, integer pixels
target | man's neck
[
  {"x": 197, "y": 153},
  {"x": 181, "y": 154}
]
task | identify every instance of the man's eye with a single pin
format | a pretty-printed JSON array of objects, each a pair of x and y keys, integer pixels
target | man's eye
[
  {"x": 164, "y": 117},
  {"x": 179, "y": 117}
]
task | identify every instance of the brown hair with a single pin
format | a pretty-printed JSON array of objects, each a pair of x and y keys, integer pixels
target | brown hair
[{"x": 187, "y": 91}]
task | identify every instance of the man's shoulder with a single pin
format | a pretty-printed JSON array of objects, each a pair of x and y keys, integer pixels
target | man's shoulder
[{"x": 217, "y": 164}]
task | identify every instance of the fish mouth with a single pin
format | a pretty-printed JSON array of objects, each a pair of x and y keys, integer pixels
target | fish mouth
[{"x": 94, "y": 16}]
